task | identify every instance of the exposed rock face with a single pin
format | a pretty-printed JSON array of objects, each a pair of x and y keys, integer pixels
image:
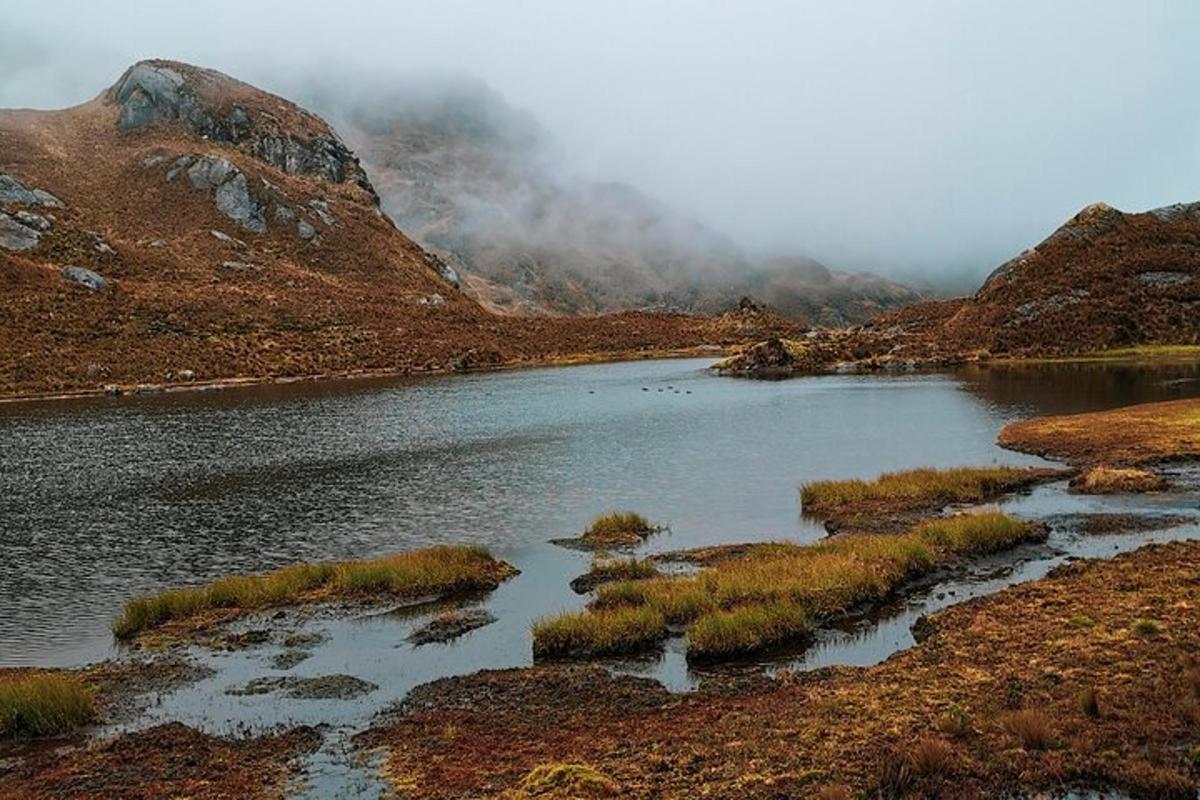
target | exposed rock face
[
  {"x": 230, "y": 189},
  {"x": 85, "y": 277},
  {"x": 15, "y": 236},
  {"x": 153, "y": 92},
  {"x": 13, "y": 191}
]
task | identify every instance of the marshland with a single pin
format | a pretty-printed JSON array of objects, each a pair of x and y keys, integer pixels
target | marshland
[{"x": 286, "y": 543}]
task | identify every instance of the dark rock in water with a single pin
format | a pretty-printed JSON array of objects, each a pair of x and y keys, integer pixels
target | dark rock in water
[
  {"x": 451, "y": 625},
  {"x": 289, "y": 658},
  {"x": 923, "y": 629},
  {"x": 13, "y": 191},
  {"x": 85, "y": 277},
  {"x": 15, "y": 236},
  {"x": 324, "y": 687}
]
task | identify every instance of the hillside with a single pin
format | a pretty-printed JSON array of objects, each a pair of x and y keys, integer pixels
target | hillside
[
  {"x": 184, "y": 225},
  {"x": 483, "y": 185},
  {"x": 1105, "y": 279}
]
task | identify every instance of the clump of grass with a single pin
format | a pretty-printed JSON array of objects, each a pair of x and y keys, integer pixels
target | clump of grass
[
  {"x": 745, "y": 629},
  {"x": 617, "y": 529},
  {"x": 914, "y": 489},
  {"x": 566, "y": 780},
  {"x": 1117, "y": 480},
  {"x": 608, "y": 571},
  {"x": 1031, "y": 728},
  {"x": 1146, "y": 628},
  {"x": 772, "y": 595},
  {"x": 432, "y": 571},
  {"x": 955, "y": 722},
  {"x": 44, "y": 704},
  {"x": 598, "y": 633},
  {"x": 1088, "y": 702},
  {"x": 1081, "y": 621},
  {"x": 930, "y": 758}
]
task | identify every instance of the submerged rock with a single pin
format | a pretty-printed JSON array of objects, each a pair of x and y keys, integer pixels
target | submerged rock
[
  {"x": 451, "y": 625},
  {"x": 85, "y": 277}
]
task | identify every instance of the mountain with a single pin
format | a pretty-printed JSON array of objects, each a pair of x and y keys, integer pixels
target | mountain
[
  {"x": 483, "y": 185},
  {"x": 184, "y": 225}
]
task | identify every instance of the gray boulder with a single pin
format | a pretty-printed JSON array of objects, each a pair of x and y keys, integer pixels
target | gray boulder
[
  {"x": 85, "y": 277},
  {"x": 13, "y": 191},
  {"x": 305, "y": 230},
  {"x": 31, "y": 220},
  {"x": 15, "y": 236},
  {"x": 230, "y": 189}
]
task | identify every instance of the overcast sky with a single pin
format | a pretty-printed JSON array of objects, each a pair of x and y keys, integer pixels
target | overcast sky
[{"x": 908, "y": 138}]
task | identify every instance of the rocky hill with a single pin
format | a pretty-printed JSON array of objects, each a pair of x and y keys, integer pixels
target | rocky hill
[
  {"x": 186, "y": 226},
  {"x": 483, "y": 185},
  {"x": 1105, "y": 279}
]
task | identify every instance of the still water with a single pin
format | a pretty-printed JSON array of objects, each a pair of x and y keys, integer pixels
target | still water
[{"x": 102, "y": 499}]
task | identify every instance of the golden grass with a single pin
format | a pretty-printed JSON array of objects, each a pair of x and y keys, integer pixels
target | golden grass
[
  {"x": 1117, "y": 480},
  {"x": 1031, "y": 728},
  {"x": 566, "y": 781},
  {"x": 772, "y": 595},
  {"x": 609, "y": 570},
  {"x": 431, "y": 571},
  {"x": 924, "y": 488},
  {"x": 598, "y": 633},
  {"x": 1120, "y": 437},
  {"x": 617, "y": 529},
  {"x": 44, "y": 704}
]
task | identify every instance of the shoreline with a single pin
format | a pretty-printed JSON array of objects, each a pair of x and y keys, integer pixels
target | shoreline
[{"x": 239, "y": 382}]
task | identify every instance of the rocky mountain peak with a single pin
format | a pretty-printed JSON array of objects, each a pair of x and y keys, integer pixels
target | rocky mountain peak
[{"x": 220, "y": 109}]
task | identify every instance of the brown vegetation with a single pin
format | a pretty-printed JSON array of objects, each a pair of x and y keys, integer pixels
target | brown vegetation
[
  {"x": 1136, "y": 434},
  {"x": 1117, "y": 480},
  {"x": 1011, "y": 666}
]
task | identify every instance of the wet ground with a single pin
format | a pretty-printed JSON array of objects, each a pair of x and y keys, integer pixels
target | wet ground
[{"x": 175, "y": 490}]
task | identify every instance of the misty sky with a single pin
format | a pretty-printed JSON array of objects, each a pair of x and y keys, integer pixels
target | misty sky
[{"x": 919, "y": 138}]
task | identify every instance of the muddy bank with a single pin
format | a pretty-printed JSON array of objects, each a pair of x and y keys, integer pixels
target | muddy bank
[{"x": 992, "y": 701}]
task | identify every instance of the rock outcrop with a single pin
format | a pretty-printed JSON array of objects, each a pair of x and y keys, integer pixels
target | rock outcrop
[
  {"x": 218, "y": 108},
  {"x": 17, "y": 236},
  {"x": 85, "y": 278}
]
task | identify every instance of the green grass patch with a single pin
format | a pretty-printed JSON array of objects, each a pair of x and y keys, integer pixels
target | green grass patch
[
  {"x": 44, "y": 704},
  {"x": 432, "y": 571},
  {"x": 566, "y": 780},
  {"x": 617, "y": 529},
  {"x": 746, "y": 629},
  {"x": 778, "y": 593},
  {"x": 598, "y": 633},
  {"x": 914, "y": 489},
  {"x": 1146, "y": 628}
]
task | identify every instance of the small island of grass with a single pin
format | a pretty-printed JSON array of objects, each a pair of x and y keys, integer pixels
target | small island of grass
[
  {"x": 773, "y": 595},
  {"x": 889, "y": 501},
  {"x": 612, "y": 531},
  {"x": 433, "y": 571}
]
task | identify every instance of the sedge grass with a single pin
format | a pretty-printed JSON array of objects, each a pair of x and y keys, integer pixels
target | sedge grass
[
  {"x": 431, "y": 571},
  {"x": 738, "y": 605},
  {"x": 617, "y": 528},
  {"x": 598, "y": 633},
  {"x": 44, "y": 704},
  {"x": 916, "y": 488}
]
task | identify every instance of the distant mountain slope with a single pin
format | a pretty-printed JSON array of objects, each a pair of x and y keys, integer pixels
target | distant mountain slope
[
  {"x": 479, "y": 182},
  {"x": 185, "y": 225}
]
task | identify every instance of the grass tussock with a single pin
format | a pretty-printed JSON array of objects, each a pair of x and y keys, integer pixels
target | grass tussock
[
  {"x": 598, "y": 633},
  {"x": 914, "y": 489},
  {"x": 774, "y": 595},
  {"x": 431, "y": 571},
  {"x": 617, "y": 529},
  {"x": 44, "y": 704},
  {"x": 1117, "y": 480},
  {"x": 1031, "y": 728},
  {"x": 566, "y": 780}
]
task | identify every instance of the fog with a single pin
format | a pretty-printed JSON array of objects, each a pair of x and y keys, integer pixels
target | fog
[{"x": 920, "y": 140}]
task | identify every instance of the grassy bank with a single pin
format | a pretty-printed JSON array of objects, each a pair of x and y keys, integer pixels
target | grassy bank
[
  {"x": 43, "y": 704},
  {"x": 1121, "y": 437},
  {"x": 432, "y": 571},
  {"x": 870, "y": 503},
  {"x": 1009, "y": 697},
  {"x": 771, "y": 595}
]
